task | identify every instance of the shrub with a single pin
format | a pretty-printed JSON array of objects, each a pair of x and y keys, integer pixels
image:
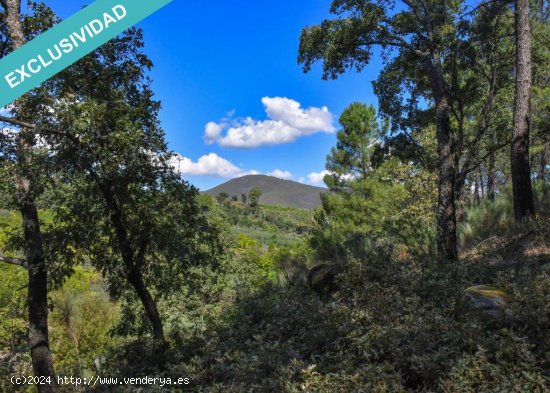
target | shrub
[{"x": 80, "y": 322}]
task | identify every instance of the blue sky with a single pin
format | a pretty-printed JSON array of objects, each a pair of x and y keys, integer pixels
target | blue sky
[{"x": 214, "y": 63}]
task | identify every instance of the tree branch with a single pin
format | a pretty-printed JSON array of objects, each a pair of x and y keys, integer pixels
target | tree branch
[
  {"x": 482, "y": 126},
  {"x": 16, "y": 122},
  {"x": 25, "y": 124},
  {"x": 480, "y": 5},
  {"x": 473, "y": 165},
  {"x": 14, "y": 261},
  {"x": 140, "y": 257},
  {"x": 396, "y": 42}
]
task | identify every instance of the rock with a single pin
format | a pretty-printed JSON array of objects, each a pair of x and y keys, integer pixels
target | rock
[
  {"x": 322, "y": 278},
  {"x": 485, "y": 302}
]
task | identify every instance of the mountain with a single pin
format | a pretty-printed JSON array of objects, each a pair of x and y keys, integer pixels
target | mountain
[{"x": 275, "y": 191}]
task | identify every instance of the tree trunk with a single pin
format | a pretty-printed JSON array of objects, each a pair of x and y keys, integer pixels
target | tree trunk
[
  {"x": 12, "y": 10},
  {"x": 480, "y": 179},
  {"x": 135, "y": 278},
  {"x": 446, "y": 210},
  {"x": 477, "y": 197},
  {"x": 37, "y": 292},
  {"x": 542, "y": 169},
  {"x": 133, "y": 272},
  {"x": 460, "y": 197},
  {"x": 491, "y": 177},
  {"x": 446, "y": 218},
  {"x": 524, "y": 207},
  {"x": 34, "y": 250}
]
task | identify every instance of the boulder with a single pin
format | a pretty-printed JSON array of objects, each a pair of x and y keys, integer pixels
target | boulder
[
  {"x": 322, "y": 278},
  {"x": 485, "y": 302}
]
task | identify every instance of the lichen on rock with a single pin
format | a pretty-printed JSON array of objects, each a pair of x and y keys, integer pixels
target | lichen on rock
[{"x": 485, "y": 301}]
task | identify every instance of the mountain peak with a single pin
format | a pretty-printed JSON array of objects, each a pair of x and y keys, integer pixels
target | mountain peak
[{"x": 275, "y": 191}]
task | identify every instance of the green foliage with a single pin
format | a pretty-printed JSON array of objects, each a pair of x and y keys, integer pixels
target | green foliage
[
  {"x": 13, "y": 294},
  {"x": 477, "y": 373},
  {"x": 222, "y": 197},
  {"x": 192, "y": 267},
  {"x": 13, "y": 307},
  {"x": 352, "y": 220},
  {"x": 274, "y": 263},
  {"x": 351, "y": 157},
  {"x": 229, "y": 278},
  {"x": 411, "y": 223},
  {"x": 80, "y": 322},
  {"x": 392, "y": 326},
  {"x": 540, "y": 101},
  {"x": 251, "y": 253},
  {"x": 490, "y": 219},
  {"x": 10, "y": 232},
  {"x": 118, "y": 200},
  {"x": 269, "y": 224},
  {"x": 392, "y": 201},
  {"x": 254, "y": 197}
]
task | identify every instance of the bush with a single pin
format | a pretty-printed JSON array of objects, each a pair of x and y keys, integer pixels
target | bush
[
  {"x": 80, "y": 322},
  {"x": 392, "y": 326}
]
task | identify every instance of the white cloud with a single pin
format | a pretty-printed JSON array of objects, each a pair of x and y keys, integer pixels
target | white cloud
[
  {"x": 280, "y": 174},
  {"x": 287, "y": 121},
  {"x": 214, "y": 165},
  {"x": 210, "y": 164},
  {"x": 317, "y": 177},
  {"x": 212, "y": 132}
]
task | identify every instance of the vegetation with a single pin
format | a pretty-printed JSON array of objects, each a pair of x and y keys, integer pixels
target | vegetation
[
  {"x": 254, "y": 197},
  {"x": 422, "y": 268}
]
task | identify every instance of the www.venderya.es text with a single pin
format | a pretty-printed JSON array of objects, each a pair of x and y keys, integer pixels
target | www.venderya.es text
[{"x": 99, "y": 380}]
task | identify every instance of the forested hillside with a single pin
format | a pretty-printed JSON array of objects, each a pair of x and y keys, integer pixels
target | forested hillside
[{"x": 424, "y": 267}]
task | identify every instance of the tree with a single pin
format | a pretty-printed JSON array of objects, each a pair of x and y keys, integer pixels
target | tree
[
  {"x": 254, "y": 197},
  {"x": 422, "y": 33},
  {"x": 351, "y": 157},
  {"x": 143, "y": 236},
  {"x": 243, "y": 197},
  {"x": 149, "y": 226},
  {"x": 115, "y": 176},
  {"x": 119, "y": 197},
  {"x": 360, "y": 203},
  {"x": 524, "y": 207},
  {"x": 27, "y": 188},
  {"x": 426, "y": 47},
  {"x": 222, "y": 197}
]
